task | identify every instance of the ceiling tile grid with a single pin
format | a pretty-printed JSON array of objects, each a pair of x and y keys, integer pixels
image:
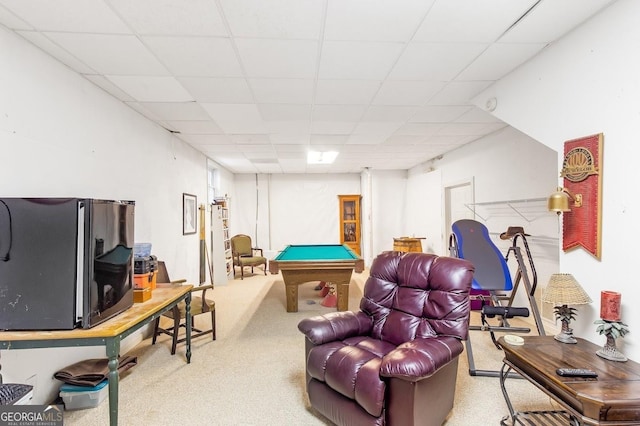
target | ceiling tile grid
[{"x": 255, "y": 84}]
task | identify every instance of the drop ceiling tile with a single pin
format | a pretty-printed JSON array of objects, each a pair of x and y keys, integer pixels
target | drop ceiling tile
[
  {"x": 11, "y": 21},
  {"x": 292, "y": 19},
  {"x": 282, "y": 91},
  {"x": 278, "y": 50},
  {"x": 459, "y": 92},
  {"x": 463, "y": 129},
  {"x": 435, "y": 61},
  {"x": 282, "y": 112},
  {"x": 376, "y": 128},
  {"x": 229, "y": 150},
  {"x": 278, "y": 58},
  {"x": 450, "y": 141},
  {"x": 378, "y": 20},
  {"x": 171, "y": 17},
  {"x": 251, "y": 139},
  {"x": 291, "y": 150},
  {"x": 328, "y": 139},
  {"x": 282, "y": 139},
  {"x": 151, "y": 89},
  {"x": 549, "y": 21},
  {"x": 406, "y": 92},
  {"x": 293, "y": 165},
  {"x": 268, "y": 168},
  {"x": 176, "y": 110},
  {"x": 326, "y": 147},
  {"x": 57, "y": 52},
  {"x": 196, "y": 56},
  {"x": 499, "y": 59},
  {"x": 207, "y": 139},
  {"x": 88, "y": 16},
  {"x": 470, "y": 21},
  {"x": 346, "y": 92},
  {"x": 367, "y": 139},
  {"x": 110, "y": 54},
  {"x": 332, "y": 127},
  {"x": 419, "y": 129},
  {"x": 349, "y": 113},
  {"x": 439, "y": 114},
  {"x": 236, "y": 118},
  {"x": 398, "y": 114},
  {"x": 260, "y": 151},
  {"x": 358, "y": 60},
  {"x": 196, "y": 127},
  {"x": 236, "y": 163},
  {"x": 288, "y": 128},
  {"x": 218, "y": 90},
  {"x": 404, "y": 139},
  {"x": 476, "y": 115}
]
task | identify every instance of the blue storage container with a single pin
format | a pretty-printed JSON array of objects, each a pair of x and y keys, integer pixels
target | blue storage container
[{"x": 80, "y": 397}]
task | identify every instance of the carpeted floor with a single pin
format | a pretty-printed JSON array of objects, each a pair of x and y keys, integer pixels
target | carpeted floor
[{"x": 253, "y": 374}]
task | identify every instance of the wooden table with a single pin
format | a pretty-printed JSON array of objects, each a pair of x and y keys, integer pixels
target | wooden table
[
  {"x": 316, "y": 262},
  {"x": 613, "y": 398},
  {"x": 109, "y": 333},
  {"x": 408, "y": 244}
]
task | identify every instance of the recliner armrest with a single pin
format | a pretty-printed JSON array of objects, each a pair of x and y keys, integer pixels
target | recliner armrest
[
  {"x": 335, "y": 326},
  {"x": 420, "y": 358}
]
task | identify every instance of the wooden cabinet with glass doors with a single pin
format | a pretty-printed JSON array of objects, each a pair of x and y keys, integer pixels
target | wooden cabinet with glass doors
[{"x": 350, "y": 221}]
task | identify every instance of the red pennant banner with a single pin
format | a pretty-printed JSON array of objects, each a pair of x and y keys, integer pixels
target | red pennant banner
[{"x": 582, "y": 172}]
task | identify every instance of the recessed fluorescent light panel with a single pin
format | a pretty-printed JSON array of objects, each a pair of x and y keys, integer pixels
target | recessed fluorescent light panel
[{"x": 321, "y": 157}]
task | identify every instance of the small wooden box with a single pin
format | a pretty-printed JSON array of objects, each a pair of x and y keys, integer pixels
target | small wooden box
[{"x": 141, "y": 295}]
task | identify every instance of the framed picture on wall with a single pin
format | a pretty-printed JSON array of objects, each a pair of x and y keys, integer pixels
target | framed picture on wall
[{"x": 189, "y": 218}]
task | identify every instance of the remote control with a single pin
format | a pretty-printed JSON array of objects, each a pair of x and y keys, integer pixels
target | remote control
[{"x": 576, "y": 372}]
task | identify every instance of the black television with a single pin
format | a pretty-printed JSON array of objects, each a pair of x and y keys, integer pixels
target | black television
[{"x": 64, "y": 262}]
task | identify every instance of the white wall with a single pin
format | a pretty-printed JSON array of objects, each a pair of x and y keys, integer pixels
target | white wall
[
  {"x": 388, "y": 208},
  {"x": 62, "y": 136},
  {"x": 505, "y": 166},
  {"x": 290, "y": 208},
  {"x": 423, "y": 212},
  {"x": 585, "y": 84},
  {"x": 303, "y": 208}
]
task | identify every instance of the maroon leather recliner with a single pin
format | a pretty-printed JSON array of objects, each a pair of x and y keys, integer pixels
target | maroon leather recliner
[{"x": 394, "y": 362}]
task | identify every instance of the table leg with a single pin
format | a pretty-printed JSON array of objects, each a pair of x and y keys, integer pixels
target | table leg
[
  {"x": 292, "y": 297},
  {"x": 343, "y": 296},
  {"x": 504, "y": 373},
  {"x": 188, "y": 320},
  {"x": 112, "y": 346}
]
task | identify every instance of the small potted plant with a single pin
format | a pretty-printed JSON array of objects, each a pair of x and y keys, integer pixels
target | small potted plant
[
  {"x": 565, "y": 314},
  {"x": 612, "y": 330}
]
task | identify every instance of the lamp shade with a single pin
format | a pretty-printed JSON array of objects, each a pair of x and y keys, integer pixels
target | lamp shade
[
  {"x": 563, "y": 289},
  {"x": 558, "y": 202}
]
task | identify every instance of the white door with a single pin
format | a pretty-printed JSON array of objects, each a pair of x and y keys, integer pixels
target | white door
[{"x": 458, "y": 204}]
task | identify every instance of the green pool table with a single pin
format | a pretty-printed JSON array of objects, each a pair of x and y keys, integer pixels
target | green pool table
[{"x": 332, "y": 263}]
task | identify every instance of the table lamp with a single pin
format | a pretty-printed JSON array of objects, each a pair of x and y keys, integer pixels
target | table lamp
[{"x": 564, "y": 290}]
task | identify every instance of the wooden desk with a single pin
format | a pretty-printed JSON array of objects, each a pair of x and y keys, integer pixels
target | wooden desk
[
  {"x": 110, "y": 333},
  {"x": 613, "y": 398}
]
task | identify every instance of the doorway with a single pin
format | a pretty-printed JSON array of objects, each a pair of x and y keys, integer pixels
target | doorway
[{"x": 458, "y": 204}]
